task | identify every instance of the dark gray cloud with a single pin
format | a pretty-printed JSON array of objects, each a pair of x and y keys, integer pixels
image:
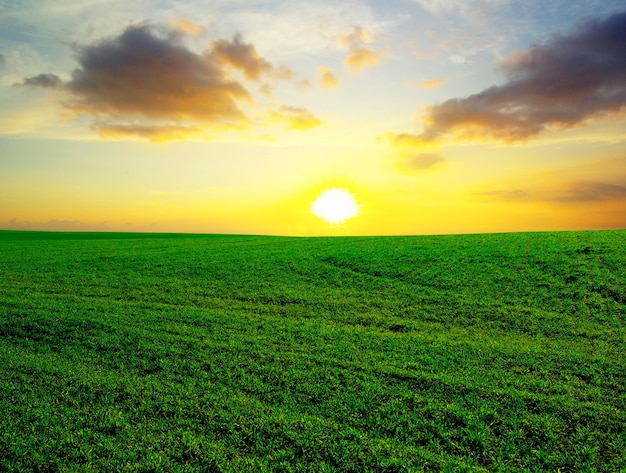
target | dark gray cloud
[
  {"x": 3, "y": 61},
  {"x": 562, "y": 83},
  {"x": 143, "y": 74},
  {"x": 147, "y": 83},
  {"x": 46, "y": 81}
]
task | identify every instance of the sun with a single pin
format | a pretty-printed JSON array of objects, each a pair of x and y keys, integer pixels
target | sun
[{"x": 335, "y": 206}]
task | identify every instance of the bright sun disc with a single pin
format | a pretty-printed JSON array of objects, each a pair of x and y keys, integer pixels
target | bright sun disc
[{"x": 335, "y": 206}]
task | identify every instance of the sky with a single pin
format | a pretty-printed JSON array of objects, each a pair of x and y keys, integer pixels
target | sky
[{"x": 437, "y": 116}]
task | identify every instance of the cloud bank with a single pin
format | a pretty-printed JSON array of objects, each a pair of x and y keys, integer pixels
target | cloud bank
[
  {"x": 147, "y": 83},
  {"x": 562, "y": 83}
]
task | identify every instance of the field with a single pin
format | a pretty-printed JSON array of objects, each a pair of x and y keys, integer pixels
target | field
[{"x": 181, "y": 353}]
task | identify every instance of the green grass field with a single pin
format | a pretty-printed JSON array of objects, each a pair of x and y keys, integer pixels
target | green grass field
[{"x": 172, "y": 353}]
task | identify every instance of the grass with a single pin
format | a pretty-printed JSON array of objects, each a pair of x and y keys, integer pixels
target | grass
[{"x": 183, "y": 353}]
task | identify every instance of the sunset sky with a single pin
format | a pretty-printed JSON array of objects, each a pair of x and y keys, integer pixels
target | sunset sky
[{"x": 439, "y": 116}]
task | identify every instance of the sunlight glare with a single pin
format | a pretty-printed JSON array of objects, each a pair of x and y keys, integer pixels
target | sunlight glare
[{"x": 335, "y": 206}]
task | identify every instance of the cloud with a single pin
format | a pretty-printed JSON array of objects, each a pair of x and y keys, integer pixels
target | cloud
[
  {"x": 562, "y": 83},
  {"x": 409, "y": 161},
  {"x": 46, "y": 81},
  {"x": 297, "y": 118},
  {"x": 358, "y": 55},
  {"x": 242, "y": 56},
  {"x": 57, "y": 225},
  {"x": 142, "y": 75},
  {"x": 592, "y": 191},
  {"x": 405, "y": 140},
  {"x": 328, "y": 77},
  {"x": 311, "y": 28},
  {"x": 505, "y": 195},
  {"x": 187, "y": 27},
  {"x": 283, "y": 73},
  {"x": 457, "y": 6},
  {"x": 568, "y": 192},
  {"x": 421, "y": 161},
  {"x": 415, "y": 50},
  {"x": 145, "y": 82},
  {"x": 152, "y": 132},
  {"x": 3, "y": 61},
  {"x": 429, "y": 84}
]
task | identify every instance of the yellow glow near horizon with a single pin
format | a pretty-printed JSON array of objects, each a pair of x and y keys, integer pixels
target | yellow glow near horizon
[
  {"x": 247, "y": 132},
  {"x": 335, "y": 206}
]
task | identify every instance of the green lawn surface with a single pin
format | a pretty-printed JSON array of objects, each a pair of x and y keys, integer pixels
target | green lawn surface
[{"x": 226, "y": 353}]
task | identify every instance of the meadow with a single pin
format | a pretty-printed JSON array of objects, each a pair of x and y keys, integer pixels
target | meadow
[{"x": 224, "y": 353}]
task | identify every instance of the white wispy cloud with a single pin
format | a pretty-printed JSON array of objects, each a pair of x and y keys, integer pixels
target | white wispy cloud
[
  {"x": 292, "y": 28},
  {"x": 461, "y": 7}
]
